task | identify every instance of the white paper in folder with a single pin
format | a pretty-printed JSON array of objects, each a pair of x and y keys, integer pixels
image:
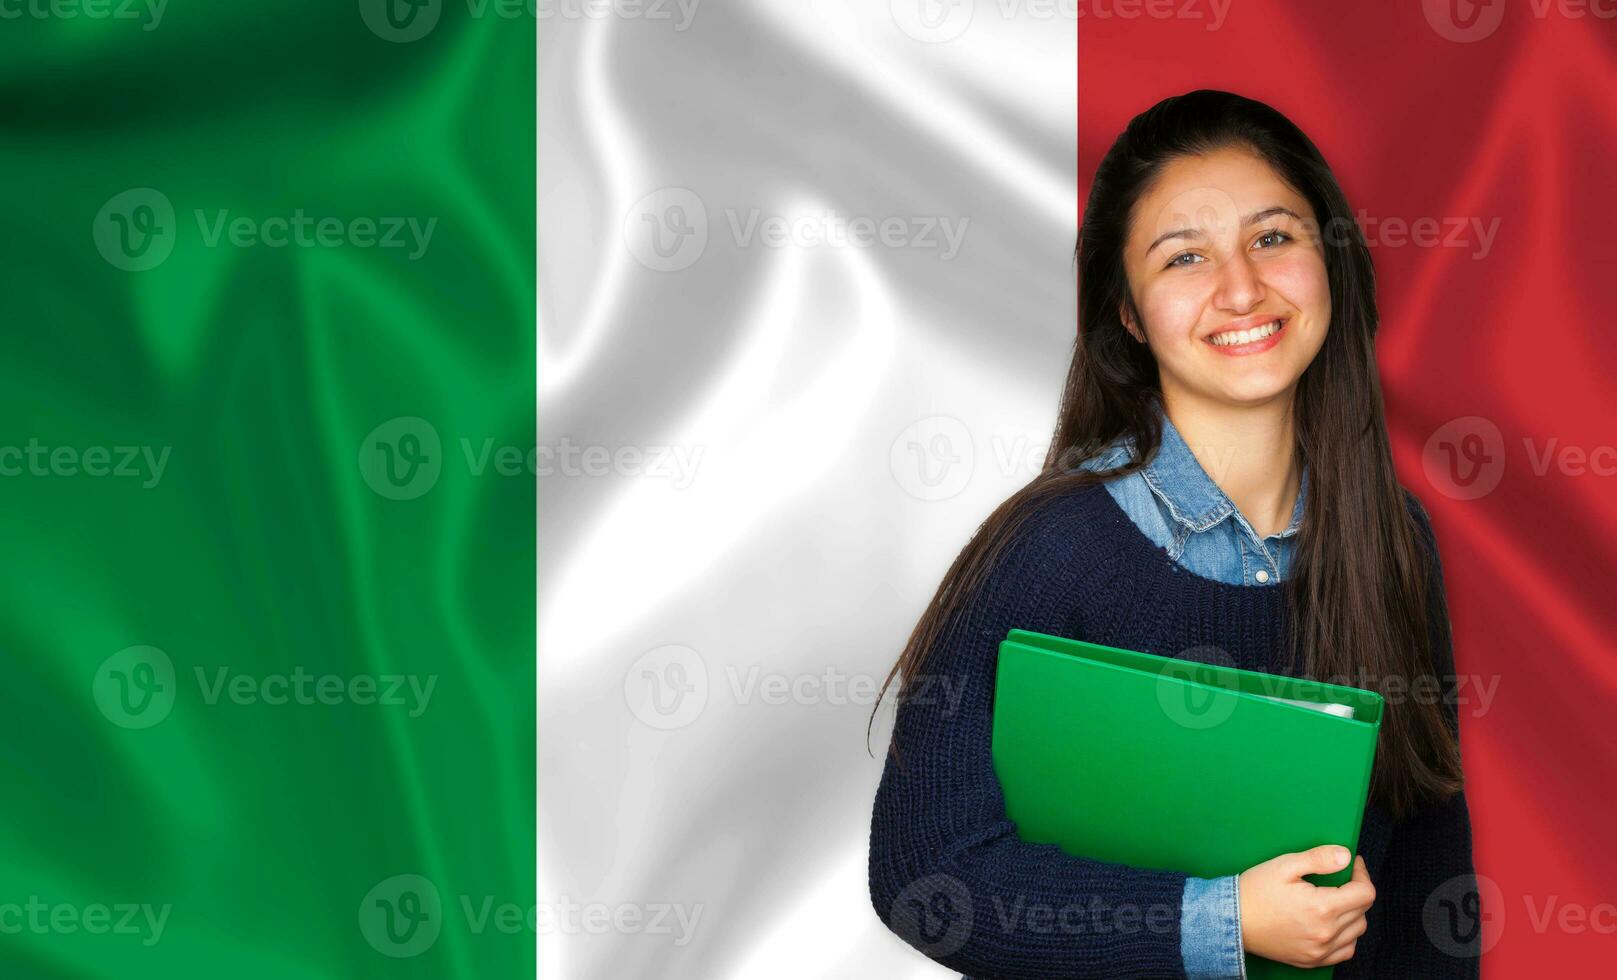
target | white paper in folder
[{"x": 1339, "y": 710}]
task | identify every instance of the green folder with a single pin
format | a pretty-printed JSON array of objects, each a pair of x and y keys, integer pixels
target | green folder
[{"x": 1178, "y": 765}]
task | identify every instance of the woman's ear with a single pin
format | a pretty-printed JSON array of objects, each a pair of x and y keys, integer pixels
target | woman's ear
[{"x": 1131, "y": 323}]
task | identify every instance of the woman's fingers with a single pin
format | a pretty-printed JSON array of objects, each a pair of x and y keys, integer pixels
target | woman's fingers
[
  {"x": 1357, "y": 895},
  {"x": 1346, "y": 942},
  {"x": 1361, "y": 872},
  {"x": 1320, "y": 860},
  {"x": 1342, "y": 955}
]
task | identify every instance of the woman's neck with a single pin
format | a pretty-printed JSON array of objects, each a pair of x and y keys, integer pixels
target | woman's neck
[{"x": 1249, "y": 451}]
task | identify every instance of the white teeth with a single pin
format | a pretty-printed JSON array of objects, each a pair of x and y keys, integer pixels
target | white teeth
[{"x": 1235, "y": 337}]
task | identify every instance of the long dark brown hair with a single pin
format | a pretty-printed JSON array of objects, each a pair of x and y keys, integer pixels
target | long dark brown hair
[{"x": 1359, "y": 585}]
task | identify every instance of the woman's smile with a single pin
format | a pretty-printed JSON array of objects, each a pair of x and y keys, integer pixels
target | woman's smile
[{"x": 1249, "y": 335}]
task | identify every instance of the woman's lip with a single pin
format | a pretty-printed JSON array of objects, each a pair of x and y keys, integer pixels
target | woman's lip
[{"x": 1256, "y": 347}]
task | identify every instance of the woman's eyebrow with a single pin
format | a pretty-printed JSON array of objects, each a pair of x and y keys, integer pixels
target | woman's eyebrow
[{"x": 1251, "y": 219}]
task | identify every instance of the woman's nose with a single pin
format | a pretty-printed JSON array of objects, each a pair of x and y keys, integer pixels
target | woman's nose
[{"x": 1239, "y": 287}]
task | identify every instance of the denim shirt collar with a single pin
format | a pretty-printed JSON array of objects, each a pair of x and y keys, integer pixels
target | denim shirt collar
[{"x": 1176, "y": 476}]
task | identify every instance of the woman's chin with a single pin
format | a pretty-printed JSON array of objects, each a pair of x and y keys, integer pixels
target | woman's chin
[{"x": 1256, "y": 391}]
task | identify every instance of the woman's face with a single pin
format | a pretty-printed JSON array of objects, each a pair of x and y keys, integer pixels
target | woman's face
[{"x": 1220, "y": 245}]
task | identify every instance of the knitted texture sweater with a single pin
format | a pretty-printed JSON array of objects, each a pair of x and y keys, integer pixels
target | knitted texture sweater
[{"x": 950, "y": 876}]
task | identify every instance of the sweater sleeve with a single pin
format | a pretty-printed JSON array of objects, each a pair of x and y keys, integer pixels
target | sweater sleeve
[
  {"x": 1433, "y": 918},
  {"x": 948, "y": 873}
]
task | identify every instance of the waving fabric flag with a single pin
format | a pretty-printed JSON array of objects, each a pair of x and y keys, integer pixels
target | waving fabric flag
[{"x": 1475, "y": 140}]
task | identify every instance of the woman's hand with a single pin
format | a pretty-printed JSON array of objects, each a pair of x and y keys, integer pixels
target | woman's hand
[{"x": 1296, "y": 922}]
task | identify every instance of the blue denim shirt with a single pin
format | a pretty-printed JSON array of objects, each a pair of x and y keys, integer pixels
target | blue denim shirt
[{"x": 1179, "y": 507}]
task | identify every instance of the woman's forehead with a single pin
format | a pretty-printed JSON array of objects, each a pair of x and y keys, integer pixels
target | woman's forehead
[{"x": 1216, "y": 193}]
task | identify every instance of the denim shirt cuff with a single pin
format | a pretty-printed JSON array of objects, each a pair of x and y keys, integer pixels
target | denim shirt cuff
[{"x": 1210, "y": 929}]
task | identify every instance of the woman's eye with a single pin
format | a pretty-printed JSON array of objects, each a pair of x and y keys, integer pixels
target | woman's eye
[
  {"x": 1274, "y": 235},
  {"x": 1174, "y": 262}
]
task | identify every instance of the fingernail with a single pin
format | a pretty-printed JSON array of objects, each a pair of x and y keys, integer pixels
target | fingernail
[{"x": 1341, "y": 856}]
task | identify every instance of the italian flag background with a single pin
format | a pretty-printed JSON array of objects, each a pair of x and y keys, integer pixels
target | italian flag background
[{"x": 268, "y": 447}]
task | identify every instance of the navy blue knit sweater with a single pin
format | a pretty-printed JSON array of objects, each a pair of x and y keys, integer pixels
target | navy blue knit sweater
[{"x": 950, "y": 876}]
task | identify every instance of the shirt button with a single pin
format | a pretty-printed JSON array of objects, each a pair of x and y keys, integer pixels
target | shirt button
[{"x": 1262, "y": 576}]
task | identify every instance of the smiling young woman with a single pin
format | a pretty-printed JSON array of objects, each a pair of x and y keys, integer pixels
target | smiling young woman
[{"x": 1220, "y": 485}]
